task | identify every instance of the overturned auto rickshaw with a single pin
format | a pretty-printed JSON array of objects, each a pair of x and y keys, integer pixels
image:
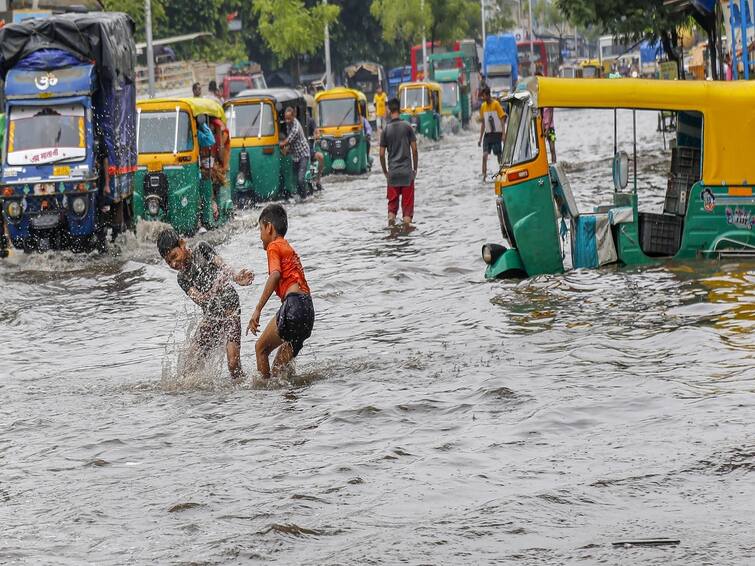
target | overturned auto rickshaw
[
  {"x": 172, "y": 183},
  {"x": 341, "y": 136},
  {"x": 709, "y": 206},
  {"x": 421, "y": 104},
  {"x": 259, "y": 169}
]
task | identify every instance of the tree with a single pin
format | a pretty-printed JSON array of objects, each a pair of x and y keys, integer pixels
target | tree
[
  {"x": 550, "y": 16},
  {"x": 633, "y": 20},
  {"x": 289, "y": 28},
  {"x": 135, "y": 9},
  {"x": 502, "y": 19},
  {"x": 440, "y": 20}
]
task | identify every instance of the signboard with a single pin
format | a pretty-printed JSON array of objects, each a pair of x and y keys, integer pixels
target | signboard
[
  {"x": 21, "y": 15},
  {"x": 668, "y": 71}
]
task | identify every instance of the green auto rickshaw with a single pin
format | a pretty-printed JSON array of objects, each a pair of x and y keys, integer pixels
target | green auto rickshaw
[
  {"x": 259, "y": 170},
  {"x": 341, "y": 136},
  {"x": 173, "y": 182},
  {"x": 421, "y": 107}
]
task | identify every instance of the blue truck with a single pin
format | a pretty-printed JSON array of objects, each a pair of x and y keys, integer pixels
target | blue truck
[
  {"x": 69, "y": 150},
  {"x": 501, "y": 65}
]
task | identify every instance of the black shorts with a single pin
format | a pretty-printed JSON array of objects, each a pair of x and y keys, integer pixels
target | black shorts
[
  {"x": 492, "y": 144},
  {"x": 295, "y": 320}
]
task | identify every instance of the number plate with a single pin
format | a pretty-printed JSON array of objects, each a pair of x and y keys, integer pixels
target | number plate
[{"x": 61, "y": 171}]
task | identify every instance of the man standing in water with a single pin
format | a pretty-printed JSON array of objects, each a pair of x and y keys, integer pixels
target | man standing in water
[
  {"x": 399, "y": 141},
  {"x": 491, "y": 128},
  {"x": 297, "y": 145}
]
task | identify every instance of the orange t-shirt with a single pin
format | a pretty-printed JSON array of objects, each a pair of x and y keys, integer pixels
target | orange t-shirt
[{"x": 282, "y": 257}]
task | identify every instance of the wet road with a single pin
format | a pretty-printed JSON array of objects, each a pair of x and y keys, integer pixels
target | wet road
[{"x": 436, "y": 418}]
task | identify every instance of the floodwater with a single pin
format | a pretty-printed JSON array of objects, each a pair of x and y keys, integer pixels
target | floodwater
[{"x": 436, "y": 418}]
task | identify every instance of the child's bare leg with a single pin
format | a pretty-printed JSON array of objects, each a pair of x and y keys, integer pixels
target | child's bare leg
[
  {"x": 233, "y": 353},
  {"x": 266, "y": 343},
  {"x": 283, "y": 358}
]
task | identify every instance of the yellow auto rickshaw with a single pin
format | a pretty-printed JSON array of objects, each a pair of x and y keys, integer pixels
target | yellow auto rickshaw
[
  {"x": 421, "y": 107},
  {"x": 341, "y": 137}
]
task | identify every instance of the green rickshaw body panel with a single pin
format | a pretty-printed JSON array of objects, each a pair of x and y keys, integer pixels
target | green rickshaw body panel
[
  {"x": 626, "y": 236},
  {"x": 428, "y": 123},
  {"x": 532, "y": 217},
  {"x": 354, "y": 161},
  {"x": 265, "y": 169},
  {"x": 187, "y": 195},
  {"x": 183, "y": 197},
  {"x": 509, "y": 264},
  {"x": 718, "y": 219}
]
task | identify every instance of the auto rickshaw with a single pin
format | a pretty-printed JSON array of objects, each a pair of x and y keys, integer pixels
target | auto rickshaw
[
  {"x": 591, "y": 69},
  {"x": 421, "y": 107},
  {"x": 259, "y": 170},
  {"x": 173, "y": 183},
  {"x": 452, "y": 71},
  {"x": 709, "y": 207},
  {"x": 340, "y": 131}
]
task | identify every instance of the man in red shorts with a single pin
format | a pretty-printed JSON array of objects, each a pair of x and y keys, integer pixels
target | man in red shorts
[{"x": 398, "y": 139}]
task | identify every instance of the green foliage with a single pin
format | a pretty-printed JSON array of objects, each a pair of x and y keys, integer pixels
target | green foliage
[
  {"x": 135, "y": 9},
  {"x": 632, "y": 19},
  {"x": 289, "y": 28},
  {"x": 402, "y": 20},
  {"x": 502, "y": 19}
]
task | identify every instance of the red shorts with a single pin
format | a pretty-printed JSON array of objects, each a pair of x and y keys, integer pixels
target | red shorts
[{"x": 406, "y": 194}]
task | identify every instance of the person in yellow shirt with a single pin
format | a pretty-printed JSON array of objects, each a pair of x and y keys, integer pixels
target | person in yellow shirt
[
  {"x": 379, "y": 100},
  {"x": 491, "y": 129}
]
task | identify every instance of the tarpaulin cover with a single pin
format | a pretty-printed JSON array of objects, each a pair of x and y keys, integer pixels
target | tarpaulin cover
[
  {"x": 105, "y": 38},
  {"x": 501, "y": 50}
]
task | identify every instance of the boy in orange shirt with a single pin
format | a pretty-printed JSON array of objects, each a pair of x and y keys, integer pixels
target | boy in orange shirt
[{"x": 296, "y": 316}]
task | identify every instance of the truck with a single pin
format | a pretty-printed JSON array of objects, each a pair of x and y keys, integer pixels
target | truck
[
  {"x": 69, "y": 150},
  {"x": 501, "y": 66}
]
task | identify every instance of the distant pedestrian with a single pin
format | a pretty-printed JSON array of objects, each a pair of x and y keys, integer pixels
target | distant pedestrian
[
  {"x": 196, "y": 90},
  {"x": 491, "y": 129},
  {"x": 379, "y": 101},
  {"x": 214, "y": 92},
  {"x": 400, "y": 143}
]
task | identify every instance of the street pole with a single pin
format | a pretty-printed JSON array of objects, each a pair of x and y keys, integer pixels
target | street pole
[
  {"x": 328, "y": 78},
  {"x": 532, "y": 45},
  {"x": 424, "y": 41},
  {"x": 482, "y": 14},
  {"x": 150, "y": 51}
]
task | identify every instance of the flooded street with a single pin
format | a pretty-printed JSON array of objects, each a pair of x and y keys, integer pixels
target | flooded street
[{"x": 436, "y": 418}]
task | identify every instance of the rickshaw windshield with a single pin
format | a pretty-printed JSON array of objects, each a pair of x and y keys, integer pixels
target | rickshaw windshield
[
  {"x": 520, "y": 144},
  {"x": 589, "y": 72},
  {"x": 450, "y": 94},
  {"x": 163, "y": 131},
  {"x": 250, "y": 120},
  {"x": 337, "y": 112},
  {"x": 414, "y": 98},
  {"x": 43, "y": 134}
]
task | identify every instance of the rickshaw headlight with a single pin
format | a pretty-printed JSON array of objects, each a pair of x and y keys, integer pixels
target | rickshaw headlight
[
  {"x": 324, "y": 144},
  {"x": 352, "y": 142},
  {"x": 13, "y": 209},
  {"x": 491, "y": 252},
  {"x": 153, "y": 206},
  {"x": 79, "y": 206},
  {"x": 240, "y": 179}
]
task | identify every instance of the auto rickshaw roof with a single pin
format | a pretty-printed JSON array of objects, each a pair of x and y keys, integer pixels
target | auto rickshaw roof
[
  {"x": 417, "y": 84},
  {"x": 726, "y": 106},
  {"x": 369, "y": 66},
  {"x": 198, "y": 105},
  {"x": 340, "y": 92},
  {"x": 282, "y": 95}
]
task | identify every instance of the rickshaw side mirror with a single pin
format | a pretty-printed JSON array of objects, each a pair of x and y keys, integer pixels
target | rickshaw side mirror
[{"x": 620, "y": 170}]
